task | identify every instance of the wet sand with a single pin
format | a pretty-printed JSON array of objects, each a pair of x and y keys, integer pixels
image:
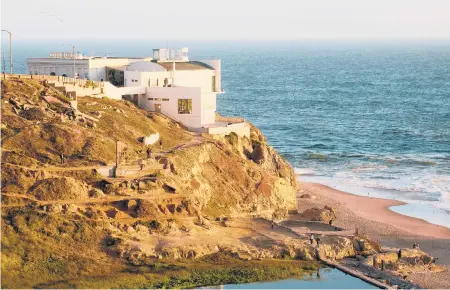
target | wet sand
[{"x": 372, "y": 217}]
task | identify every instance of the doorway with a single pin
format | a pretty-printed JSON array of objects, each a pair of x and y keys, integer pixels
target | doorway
[{"x": 158, "y": 108}]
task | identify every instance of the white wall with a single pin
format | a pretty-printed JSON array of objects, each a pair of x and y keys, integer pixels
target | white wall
[
  {"x": 194, "y": 78},
  {"x": 208, "y": 103},
  {"x": 116, "y": 93},
  {"x": 170, "y": 107},
  {"x": 217, "y": 65},
  {"x": 45, "y": 66}
]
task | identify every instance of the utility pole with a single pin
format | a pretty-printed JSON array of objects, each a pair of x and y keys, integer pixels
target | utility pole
[{"x": 10, "y": 51}]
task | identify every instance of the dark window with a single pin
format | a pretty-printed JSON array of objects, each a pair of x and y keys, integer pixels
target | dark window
[
  {"x": 184, "y": 106},
  {"x": 150, "y": 99},
  {"x": 157, "y": 99},
  {"x": 165, "y": 99}
]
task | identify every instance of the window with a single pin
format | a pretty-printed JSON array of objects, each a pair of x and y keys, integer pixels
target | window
[
  {"x": 213, "y": 84},
  {"x": 157, "y": 99},
  {"x": 150, "y": 99},
  {"x": 184, "y": 106},
  {"x": 165, "y": 100}
]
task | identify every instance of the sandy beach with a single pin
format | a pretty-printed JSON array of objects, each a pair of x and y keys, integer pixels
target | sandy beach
[{"x": 372, "y": 217}]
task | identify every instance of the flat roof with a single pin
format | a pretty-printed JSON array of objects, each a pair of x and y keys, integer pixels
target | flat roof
[{"x": 189, "y": 65}]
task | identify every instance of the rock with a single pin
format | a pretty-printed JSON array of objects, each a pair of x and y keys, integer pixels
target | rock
[
  {"x": 132, "y": 204},
  {"x": 147, "y": 208},
  {"x": 259, "y": 154},
  {"x": 54, "y": 208},
  {"x": 59, "y": 188},
  {"x": 169, "y": 187},
  {"x": 366, "y": 247},
  {"x": 97, "y": 114},
  {"x": 317, "y": 214},
  {"x": 94, "y": 192},
  {"x": 70, "y": 208},
  {"x": 308, "y": 196},
  {"x": 150, "y": 140},
  {"x": 141, "y": 229},
  {"x": 116, "y": 214}
]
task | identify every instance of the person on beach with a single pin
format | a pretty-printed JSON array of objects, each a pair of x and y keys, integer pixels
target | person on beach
[
  {"x": 272, "y": 224},
  {"x": 330, "y": 222},
  {"x": 160, "y": 144},
  {"x": 311, "y": 239},
  {"x": 399, "y": 254},
  {"x": 61, "y": 156},
  {"x": 149, "y": 152},
  {"x": 318, "y": 241}
]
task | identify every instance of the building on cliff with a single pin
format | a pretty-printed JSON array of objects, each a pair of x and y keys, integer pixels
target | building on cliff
[{"x": 168, "y": 83}]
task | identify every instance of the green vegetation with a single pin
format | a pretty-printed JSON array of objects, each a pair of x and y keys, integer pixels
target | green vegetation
[{"x": 43, "y": 250}]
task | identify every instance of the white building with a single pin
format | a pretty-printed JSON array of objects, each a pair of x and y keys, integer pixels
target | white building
[
  {"x": 168, "y": 83},
  {"x": 86, "y": 67}
]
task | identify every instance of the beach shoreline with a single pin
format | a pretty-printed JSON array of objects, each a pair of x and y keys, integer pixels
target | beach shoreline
[
  {"x": 372, "y": 217},
  {"x": 378, "y": 210}
]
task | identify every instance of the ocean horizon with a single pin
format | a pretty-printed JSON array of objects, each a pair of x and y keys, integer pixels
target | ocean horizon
[{"x": 370, "y": 119}]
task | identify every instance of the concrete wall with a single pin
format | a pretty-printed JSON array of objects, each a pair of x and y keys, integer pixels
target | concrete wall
[
  {"x": 116, "y": 93},
  {"x": 169, "y": 106},
  {"x": 241, "y": 129}
]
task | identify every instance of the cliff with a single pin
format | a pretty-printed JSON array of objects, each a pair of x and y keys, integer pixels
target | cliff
[{"x": 67, "y": 220}]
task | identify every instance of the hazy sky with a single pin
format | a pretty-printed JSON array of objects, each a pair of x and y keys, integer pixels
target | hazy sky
[{"x": 226, "y": 19}]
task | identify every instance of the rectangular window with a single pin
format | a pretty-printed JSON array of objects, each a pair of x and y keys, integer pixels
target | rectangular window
[
  {"x": 150, "y": 99},
  {"x": 157, "y": 99},
  {"x": 165, "y": 100},
  {"x": 184, "y": 106},
  {"x": 213, "y": 84}
]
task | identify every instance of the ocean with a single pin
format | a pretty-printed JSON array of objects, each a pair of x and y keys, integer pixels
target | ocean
[{"x": 367, "y": 117}]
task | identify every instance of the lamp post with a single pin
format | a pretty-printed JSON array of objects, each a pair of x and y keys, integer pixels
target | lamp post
[
  {"x": 73, "y": 54},
  {"x": 10, "y": 51}
]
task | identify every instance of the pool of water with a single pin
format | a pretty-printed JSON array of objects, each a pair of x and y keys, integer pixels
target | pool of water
[{"x": 328, "y": 279}]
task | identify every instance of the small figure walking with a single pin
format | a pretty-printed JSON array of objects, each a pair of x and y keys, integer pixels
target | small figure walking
[
  {"x": 330, "y": 222},
  {"x": 142, "y": 166},
  {"x": 318, "y": 241},
  {"x": 160, "y": 144},
  {"x": 149, "y": 152},
  {"x": 61, "y": 156},
  {"x": 399, "y": 254},
  {"x": 311, "y": 239},
  {"x": 272, "y": 224}
]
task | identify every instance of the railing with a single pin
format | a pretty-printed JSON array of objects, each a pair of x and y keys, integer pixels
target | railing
[{"x": 64, "y": 80}]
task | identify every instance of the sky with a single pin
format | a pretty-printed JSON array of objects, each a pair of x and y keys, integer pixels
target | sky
[{"x": 226, "y": 19}]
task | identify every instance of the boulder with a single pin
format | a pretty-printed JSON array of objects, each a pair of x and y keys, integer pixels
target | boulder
[
  {"x": 54, "y": 208},
  {"x": 147, "y": 208},
  {"x": 308, "y": 196},
  {"x": 116, "y": 214},
  {"x": 94, "y": 192},
  {"x": 318, "y": 214},
  {"x": 259, "y": 154}
]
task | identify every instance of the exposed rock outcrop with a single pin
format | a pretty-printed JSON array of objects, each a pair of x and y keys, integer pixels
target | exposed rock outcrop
[{"x": 59, "y": 188}]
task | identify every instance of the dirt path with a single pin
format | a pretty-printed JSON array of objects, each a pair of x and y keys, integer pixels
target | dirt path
[{"x": 106, "y": 199}]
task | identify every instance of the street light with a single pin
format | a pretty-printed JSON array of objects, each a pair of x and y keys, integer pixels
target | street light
[
  {"x": 10, "y": 51},
  {"x": 73, "y": 54}
]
